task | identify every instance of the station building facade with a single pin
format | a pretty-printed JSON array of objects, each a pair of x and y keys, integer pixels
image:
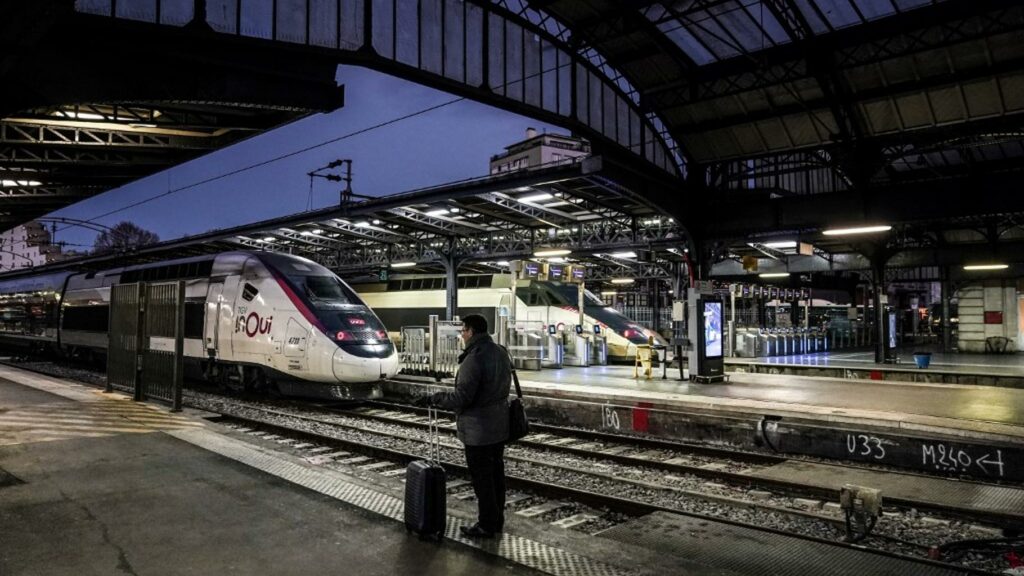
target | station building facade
[
  {"x": 26, "y": 246},
  {"x": 539, "y": 150}
]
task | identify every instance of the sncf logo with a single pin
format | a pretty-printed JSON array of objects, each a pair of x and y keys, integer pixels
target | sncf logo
[{"x": 253, "y": 324}]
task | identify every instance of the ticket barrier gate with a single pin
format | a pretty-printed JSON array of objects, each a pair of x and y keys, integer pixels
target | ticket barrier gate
[
  {"x": 577, "y": 352},
  {"x": 554, "y": 351},
  {"x": 599, "y": 354}
]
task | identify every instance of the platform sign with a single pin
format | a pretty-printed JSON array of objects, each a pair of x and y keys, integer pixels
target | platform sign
[
  {"x": 531, "y": 269},
  {"x": 556, "y": 273},
  {"x": 578, "y": 274},
  {"x": 773, "y": 293},
  {"x": 805, "y": 293},
  {"x": 746, "y": 292},
  {"x": 789, "y": 293}
]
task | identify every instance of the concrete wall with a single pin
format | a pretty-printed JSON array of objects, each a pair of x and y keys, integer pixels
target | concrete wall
[{"x": 988, "y": 296}]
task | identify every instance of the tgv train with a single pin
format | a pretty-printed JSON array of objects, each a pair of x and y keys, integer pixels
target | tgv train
[
  {"x": 410, "y": 300},
  {"x": 252, "y": 319}
]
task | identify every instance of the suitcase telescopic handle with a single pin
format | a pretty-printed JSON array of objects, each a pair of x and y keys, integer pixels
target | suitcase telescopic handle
[{"x": 433, "y": 436}]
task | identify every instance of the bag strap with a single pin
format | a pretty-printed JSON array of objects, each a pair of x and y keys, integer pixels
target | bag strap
[{"x": 515, "y": 377}]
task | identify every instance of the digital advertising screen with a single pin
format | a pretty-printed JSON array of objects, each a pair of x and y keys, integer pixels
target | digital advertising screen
[
  {"x": 712, "y": 329},
  {"x": 892, "y": 329}
]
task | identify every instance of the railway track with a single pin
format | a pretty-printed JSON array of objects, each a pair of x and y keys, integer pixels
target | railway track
[
  {"x": 590, "y": 495},
  {"x": 586, "y": 480}
]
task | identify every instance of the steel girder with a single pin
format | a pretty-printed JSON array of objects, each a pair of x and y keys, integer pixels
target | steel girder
[{"x": 470, "y": 47}]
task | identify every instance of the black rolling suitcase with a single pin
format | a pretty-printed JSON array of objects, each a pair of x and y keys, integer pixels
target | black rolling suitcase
[{"x": 426, "y": 505}]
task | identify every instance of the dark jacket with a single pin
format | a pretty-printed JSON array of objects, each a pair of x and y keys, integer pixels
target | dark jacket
[{"x": 480, "y": 397}]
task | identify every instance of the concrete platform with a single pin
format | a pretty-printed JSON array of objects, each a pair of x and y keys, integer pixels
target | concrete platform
[
  {"x": 974, "y": 369},
  {"x": 95, "y": 484},
  {"x": 902, "y": 423}
]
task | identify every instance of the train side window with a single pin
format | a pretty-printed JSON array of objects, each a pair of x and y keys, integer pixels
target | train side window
[
  {"x": 194, "y": 312},
  {"x": 249, "y": 292}
]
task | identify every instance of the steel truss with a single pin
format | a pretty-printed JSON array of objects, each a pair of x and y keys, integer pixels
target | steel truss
[{"x": 476, "y": 48}]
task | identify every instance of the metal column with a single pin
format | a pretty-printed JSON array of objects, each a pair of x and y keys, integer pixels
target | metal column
[
  {"x": 451, "y": 297},
  {"x": 947, "y": 332}
]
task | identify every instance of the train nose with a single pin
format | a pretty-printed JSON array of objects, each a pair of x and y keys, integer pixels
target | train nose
[{"x": 349, "y": 368}]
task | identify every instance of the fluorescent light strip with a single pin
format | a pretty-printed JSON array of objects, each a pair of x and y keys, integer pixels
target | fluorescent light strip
[
  {"x": 536, "y": 197},
  {"x": 986, "y": 266},
  {"x": 403, "y": 264},
  {"x": 774, "y": 275},
  {"x": 553, "y": 252},
  {"x": 858, "y": 230},
  {"x": 781, "y": 244},
  {"x": 622, "y": 280}
]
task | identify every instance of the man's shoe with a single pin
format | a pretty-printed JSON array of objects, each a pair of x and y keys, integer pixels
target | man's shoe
[{"x": 475, "y": 531}]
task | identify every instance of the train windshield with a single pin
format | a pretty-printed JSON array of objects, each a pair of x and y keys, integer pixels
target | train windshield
[
  {"x": 593, "y": 306},
  {"x": 321, "y": 289}
]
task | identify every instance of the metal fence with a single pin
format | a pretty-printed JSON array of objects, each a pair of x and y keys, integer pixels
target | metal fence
[
  {"x": 145, "y": 340},
  {"x": 526, "y": 341},
  {"x": 447, "y": 346},
  {"x": 432, "y": 350},
  {"x": 164, "y": 339},
  {"x": 415, "y": 353},
  {"x": 124, "y": 336}
]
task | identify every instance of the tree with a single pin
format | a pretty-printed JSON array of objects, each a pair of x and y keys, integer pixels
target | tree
[{"x": 124, "y": 236}]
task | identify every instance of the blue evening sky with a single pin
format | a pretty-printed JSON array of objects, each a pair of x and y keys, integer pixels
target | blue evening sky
[{"x": 452, "y": 143}]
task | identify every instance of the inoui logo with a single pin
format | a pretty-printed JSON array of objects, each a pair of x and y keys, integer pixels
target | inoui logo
[{"x": 253, "y": 324}]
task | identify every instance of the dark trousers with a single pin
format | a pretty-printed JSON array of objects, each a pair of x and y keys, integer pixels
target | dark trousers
[{"x": 487, "y": 472}]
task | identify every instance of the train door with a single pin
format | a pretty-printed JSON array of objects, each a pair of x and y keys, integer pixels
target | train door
[
  {"x": 211, "y": 327},
  {"x": 296, "y": 340},
  {"x": 252, "y": 316}
]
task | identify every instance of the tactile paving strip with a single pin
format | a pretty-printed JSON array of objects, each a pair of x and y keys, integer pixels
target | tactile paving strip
[
  {"x": 525, "y": 551},
  {"x": 749, "y": 551}
]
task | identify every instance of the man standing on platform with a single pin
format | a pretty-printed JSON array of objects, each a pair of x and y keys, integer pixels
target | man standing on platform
[{"x": 480, "y": 403}]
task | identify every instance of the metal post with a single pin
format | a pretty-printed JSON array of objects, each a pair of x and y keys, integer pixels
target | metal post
[
  {"x": 878, "y": 283},
  {"x": 514, "y": 269},
  {"x": 580, "y": 297},
  {"x": 140, "y": 343},
  {"x": 451, "y": 301},
  {"x": 947, "y": 332},
  {"x": 179, "y": 347},
  {"x": 656, "y": 305},
  {"x": 732, "y": 320},
  {"x": 432, "y": 338}
]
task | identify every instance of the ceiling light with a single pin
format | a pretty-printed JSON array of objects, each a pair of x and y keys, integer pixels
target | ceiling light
[
  {"x": 986, "y": 266},
  {"x": 857, "y": 230},
  {"x": 556, "y": 259},
  {"x": 536, "y": 197},
  {"x": 403, "y": 264},
  {"x": 502, "y": 263},
  {"x": 780, "y": 244},
  {"x": 437, "y": 212},
  {"x": 523, "y": 189},
  {"x": 269, "y": 239},
  {"x": 622, "y": 280},
  {"x": 363, "y": 224},
  {"x": 318, "y": 231},
  {"x": 306, "y": 233},
  {"x": 608, "y": 293},
  {"x": 774, "y": 275},
  {"x": 376, "y": 222},
  {"x": 623, "y": 254},
  {"x": 552, "y": 252},
  {"x": 13, "y": 183}
]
